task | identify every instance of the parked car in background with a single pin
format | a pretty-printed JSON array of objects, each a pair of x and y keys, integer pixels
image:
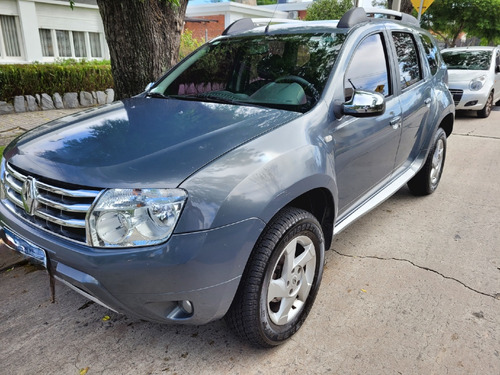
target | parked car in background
[
  {"x": 217, "y": 191},
  {"x": 474, "y": 77}
]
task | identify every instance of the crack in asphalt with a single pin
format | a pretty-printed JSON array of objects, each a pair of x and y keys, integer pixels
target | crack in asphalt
[
  {"x": 494, "y": 296},
  {"x": 476, "y": 135}
]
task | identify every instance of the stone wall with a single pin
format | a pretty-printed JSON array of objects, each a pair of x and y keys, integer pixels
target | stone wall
[{"x": 45, "y": 102}]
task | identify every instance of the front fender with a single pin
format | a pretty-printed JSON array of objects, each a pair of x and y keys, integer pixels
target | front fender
[{"x": 257, "y": 179}]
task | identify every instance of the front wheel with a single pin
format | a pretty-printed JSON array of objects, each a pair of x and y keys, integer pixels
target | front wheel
[
  {"x": 426, "y": 181},
  {"x": 281, "y": 280},
  {"x": 485, "y": 112}
]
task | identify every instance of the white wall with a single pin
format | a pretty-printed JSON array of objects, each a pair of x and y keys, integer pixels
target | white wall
[{"x": 32, "y": 15}]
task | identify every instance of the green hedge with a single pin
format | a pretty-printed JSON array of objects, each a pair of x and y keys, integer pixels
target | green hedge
[{"x": 31, "y": 79}]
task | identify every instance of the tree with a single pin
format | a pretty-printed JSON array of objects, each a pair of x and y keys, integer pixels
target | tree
[
  {"x": 328, "y": 9},
  {"x": 450, "y": 18},
  {"x": 143, "y": 38}
]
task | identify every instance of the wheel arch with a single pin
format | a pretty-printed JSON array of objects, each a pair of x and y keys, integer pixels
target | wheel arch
[
  {"x": 447, "y": 124},
  {"x": 319, "y": 202}
]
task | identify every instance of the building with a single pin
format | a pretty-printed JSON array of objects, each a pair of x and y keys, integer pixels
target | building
[
  {"x": 46, "y": 30},
  {"x": 207, "y": 21}
]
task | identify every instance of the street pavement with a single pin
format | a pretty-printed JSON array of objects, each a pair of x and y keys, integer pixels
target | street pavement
[
  {"x": 16, "y": 124},
  {"x": 413, "y": 287}
]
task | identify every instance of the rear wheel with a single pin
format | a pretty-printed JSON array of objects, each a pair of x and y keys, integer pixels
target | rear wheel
[
  {"x": 485, "y": 112},
  {"x": 281, "y": 280},
  {"x": 427, "y": 179}
]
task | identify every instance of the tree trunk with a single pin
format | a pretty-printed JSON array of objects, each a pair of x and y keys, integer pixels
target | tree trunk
[{"x": 143, "y": 38}]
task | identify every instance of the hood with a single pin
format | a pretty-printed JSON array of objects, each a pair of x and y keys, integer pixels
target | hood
[
  {"x": 139, "y": 142},
  {"x": 464, "y": 76}
]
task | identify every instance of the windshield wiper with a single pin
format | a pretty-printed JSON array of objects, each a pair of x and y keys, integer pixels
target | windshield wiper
[
  {"x": 157, "y": 95},
  {"x": 206, "y": 98},
  {"x": 217, "y": 99}
]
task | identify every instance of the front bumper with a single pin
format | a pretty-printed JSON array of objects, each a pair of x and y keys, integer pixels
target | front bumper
[
  {"x": 465, "y": 99},
  {"x": 154, "y": 283}
]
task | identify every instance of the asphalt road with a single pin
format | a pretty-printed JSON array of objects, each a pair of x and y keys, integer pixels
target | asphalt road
[{"x": 411, "y": 288}]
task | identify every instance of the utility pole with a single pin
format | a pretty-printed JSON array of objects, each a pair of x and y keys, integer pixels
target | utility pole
[
  {"x": 420, "y": 10},
  {"x": 396, "y": 5}
]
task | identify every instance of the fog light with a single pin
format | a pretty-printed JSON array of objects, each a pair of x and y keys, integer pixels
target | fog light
[
  {"x": 471, "y": 103},
  {"x": 187, "y": 306}
]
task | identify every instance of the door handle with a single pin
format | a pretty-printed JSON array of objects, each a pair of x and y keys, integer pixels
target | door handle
[
  {"x": 427, "y": 102},
  {"x": 396, "y": 122}
]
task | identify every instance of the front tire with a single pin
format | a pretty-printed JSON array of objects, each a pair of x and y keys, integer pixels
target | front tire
[
  {"x": 281, "y": 280},
  {"x": 485, "y": 112},
  {"x": 426, "y": 181}
]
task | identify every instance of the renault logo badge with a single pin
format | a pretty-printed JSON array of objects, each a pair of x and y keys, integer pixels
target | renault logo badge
[{"x": 29, "y": 196}]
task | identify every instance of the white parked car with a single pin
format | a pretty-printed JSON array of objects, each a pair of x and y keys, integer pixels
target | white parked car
[{"x": 474, "y": 77}]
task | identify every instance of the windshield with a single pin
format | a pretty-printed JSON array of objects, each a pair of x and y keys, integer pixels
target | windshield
[
  {"x": 278, "y": 71},
  {"x": 467, "y": 60}
]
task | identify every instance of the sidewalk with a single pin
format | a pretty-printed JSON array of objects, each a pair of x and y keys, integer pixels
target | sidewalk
[
  {"x": 16, "y": 124},
  {"x": 12, "y": 126}
]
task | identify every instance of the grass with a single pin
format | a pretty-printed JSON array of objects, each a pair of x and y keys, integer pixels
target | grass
[{"x": 1, "y": 151}]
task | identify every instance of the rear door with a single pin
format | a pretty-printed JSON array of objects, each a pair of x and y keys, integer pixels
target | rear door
[{"x": 415, "y": 87}]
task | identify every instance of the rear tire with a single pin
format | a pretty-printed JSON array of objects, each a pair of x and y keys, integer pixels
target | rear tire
[
  {"x": 426, "y": 181},
  {"x": 280, "y": 281}
]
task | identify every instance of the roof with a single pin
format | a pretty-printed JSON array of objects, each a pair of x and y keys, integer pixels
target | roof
[{"x": 353, "y": 17}]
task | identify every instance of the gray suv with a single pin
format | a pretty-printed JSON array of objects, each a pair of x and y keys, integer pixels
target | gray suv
[{"x": 217, "y": 191}]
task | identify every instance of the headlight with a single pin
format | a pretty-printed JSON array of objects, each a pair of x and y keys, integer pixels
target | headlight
[
  {"x": 134, "y": 217},
  {"x": 477, "y": 83}
]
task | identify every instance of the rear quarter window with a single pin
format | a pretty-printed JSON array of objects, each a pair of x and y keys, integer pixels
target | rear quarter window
[
  {"x": 431, "y": 53},
  {"x": 410, "y": 71}
]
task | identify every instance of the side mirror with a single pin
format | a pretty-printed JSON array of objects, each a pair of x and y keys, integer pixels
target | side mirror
[
  {"x": 364, "y": 104},
  {"x": 148, "y": 86}
]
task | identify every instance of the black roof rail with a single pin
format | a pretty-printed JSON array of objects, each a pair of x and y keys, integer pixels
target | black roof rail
[
  {"x": 239, "y": 26},
  {"x": 245, "y": 24},
  {"x": 352, "y": 17},
  {"x": 359, "y": 15},
  {"x": 392, "y": 14}
]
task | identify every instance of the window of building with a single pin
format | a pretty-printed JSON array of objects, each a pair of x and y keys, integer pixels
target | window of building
[
  {"x": 46, "y": 42},
  {"x": 67, "y": 43},
  {"x": 9, "y": 37},
  {"x": 63, "y": 43},
  {"x": 409, "y": 64},
  {"x": 79, "y": 43},
  {"x": 95, "y": 44}
]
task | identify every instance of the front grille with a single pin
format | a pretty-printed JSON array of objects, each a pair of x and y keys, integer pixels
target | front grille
[
  {"x": 457, "y": 95},
  {"x": 56, "y": 209}
]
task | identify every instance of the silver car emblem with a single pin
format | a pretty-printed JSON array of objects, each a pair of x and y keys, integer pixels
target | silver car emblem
[{"x": 29, "y": 195}]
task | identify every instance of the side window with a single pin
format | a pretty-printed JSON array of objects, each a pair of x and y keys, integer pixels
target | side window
[
  {"x": 409, "y": 63},
  {"x": 431, "y": 53},
  {"x": 368, "y": 68}
]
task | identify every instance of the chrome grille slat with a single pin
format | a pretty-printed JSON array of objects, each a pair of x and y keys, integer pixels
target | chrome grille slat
[
  {"x": 14, "y": 199},
  {"x": 72, "y": 223},
  {"x": 59, "y": 210},
  {"x": 68, "y": 193},
  {"x": 14, "y": 184},
  {"x": 82, "y": 208}
]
